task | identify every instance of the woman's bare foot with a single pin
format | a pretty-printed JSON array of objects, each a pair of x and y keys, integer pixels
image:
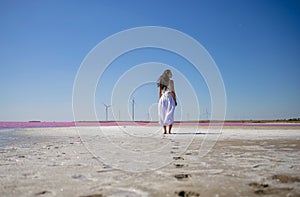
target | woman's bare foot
[
  {"x": 165, "y": 130},
  {"x": 170, "y": 127}
]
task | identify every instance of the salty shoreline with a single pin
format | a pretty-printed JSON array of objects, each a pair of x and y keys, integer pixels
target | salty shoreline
[
  {"x": 239, "y": 162},
  {"x": 226, "y": 124}
]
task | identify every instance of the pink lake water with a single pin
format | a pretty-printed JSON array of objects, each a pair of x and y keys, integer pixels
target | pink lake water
[{"x": 5, "y": 125}]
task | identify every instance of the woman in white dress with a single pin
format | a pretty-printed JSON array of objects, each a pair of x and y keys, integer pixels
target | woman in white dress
[{"x": 167, "y": 100}]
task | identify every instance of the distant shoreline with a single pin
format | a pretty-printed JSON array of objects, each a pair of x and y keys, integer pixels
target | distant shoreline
[{"x": 228, "y": 123}]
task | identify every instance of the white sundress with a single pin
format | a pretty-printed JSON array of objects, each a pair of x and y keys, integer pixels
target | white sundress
[{"x": 166, "y": 108}]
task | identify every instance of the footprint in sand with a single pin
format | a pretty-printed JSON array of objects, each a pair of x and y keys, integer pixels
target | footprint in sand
[
  {"x": 258, "y": 185},
  {"x": 93, "y": 195},
  {"x": 285, "y": 178},
  {"x": 182, "y": 176},
  {"x": 260, "y": 188},
  {"x": 178, "y": 158},
  {"x": 42, "y": 193},
  {"x": 21, "y": 156},
  {"x": 265, "y": 189},
  {"x": 178, "y": 165},
  {"x": 187, "y": 193}
]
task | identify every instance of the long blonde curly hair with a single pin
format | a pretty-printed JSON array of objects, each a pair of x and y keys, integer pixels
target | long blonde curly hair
[{"x": 164, "y": 79}]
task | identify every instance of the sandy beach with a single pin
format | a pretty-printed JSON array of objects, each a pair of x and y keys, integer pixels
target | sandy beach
[{"x": 141, "y": 161}]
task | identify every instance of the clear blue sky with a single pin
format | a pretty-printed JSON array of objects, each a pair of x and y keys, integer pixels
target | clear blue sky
[{"x": 255, "y": 43}]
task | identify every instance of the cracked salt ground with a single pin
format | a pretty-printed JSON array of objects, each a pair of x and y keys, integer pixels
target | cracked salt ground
[{"x": 55, "y": 162}]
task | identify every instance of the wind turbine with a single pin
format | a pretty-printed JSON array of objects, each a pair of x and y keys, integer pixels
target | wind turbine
[
  {"x": 206, "y": 114},
  {"x": 133, "y": 102},
  {"x": 106, "y": 110}
]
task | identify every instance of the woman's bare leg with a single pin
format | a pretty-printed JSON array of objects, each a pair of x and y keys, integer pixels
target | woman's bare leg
[
  {"x": 165, "y": 129},
  {"x": 170, "y": 127}
]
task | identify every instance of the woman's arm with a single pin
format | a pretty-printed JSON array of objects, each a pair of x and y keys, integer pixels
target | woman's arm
[
  {"x": 173, "y": 91},
  {"x": 172, "y": 85}
]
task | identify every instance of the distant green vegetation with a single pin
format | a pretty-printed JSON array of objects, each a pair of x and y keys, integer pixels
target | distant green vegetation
[{"x": 294, "y": 119}]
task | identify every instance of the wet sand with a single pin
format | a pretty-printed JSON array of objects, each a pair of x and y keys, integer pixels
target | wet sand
[{"x": 237, "y": 162}]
